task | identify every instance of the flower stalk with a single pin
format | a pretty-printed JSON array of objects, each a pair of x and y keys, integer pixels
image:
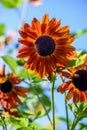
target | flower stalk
[
  {"x": 66, "y": 108},
  {"x": 4, "y": 124},
  {"x": 67, "y": 116},
  {"x": 52, "y": 102},
  {"x": 40, "y": 100},
  {"x": 75, "y": 122}
]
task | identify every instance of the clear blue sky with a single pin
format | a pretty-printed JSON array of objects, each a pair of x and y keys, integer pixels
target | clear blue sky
[{"x": 71, "y": 12}]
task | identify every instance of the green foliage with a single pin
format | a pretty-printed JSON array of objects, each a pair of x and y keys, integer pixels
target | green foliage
[
  {"x": 23, "y": 73},
  {"x": 21, "y": 62},
  {"x": 79, "y": 110},
  {"x": 62, "y": 119},
  {"x": 83, "y": 126},
  {"x": 37, "y": 79},
  {"x": 46, "y": 100},
  {"x": 24, "y": 128},
  {"x": 2, "y": 29},
  {"x": 19, "y": 122},
  {"x": 33, "y": 107},
  {"x": 80, "y": 53},
  {"x": 11, "y": 63},
  {"x": 36, "y": 89},
  {"x": 82, "y": 32},
  {"x": 1, "y": 123},
  {"x": 75, "y": 63},
  {"x": 11, "y": 3},
  {"x": 32, "y": 126}
]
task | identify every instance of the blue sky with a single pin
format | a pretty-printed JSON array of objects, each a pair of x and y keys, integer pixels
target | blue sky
[{"x": 71, "y": 12}]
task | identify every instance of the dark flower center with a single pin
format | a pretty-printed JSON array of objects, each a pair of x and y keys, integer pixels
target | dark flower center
[
  {"x": 45, "y": 45},
  {"x": 80, "y": 80},
  {"x": 6, "y": 86}
]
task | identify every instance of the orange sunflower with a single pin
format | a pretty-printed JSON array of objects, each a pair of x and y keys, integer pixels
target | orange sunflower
[
  {"x": 10, "y": 91},
  {"x": 45, "y": 45},
  {"x": 77, "y": 83},
  {"x": 35, "y": 2}
]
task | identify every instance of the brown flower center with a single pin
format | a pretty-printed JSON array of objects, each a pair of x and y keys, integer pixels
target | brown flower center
[
  {"x": 6, "y": 86},
  {"x": 45, "y": 45},
  {"x": 80, "y": 80}
]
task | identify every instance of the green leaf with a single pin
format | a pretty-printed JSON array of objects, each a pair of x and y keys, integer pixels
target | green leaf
[
  {"x": 75, "y": 63},
  {"x": 2, "y": 29},
  {"x": 46, "y": 100},
  {"x": 83, "y": 126},
  {"x": 79, "y": 110},
  {"x": 40, "y": 114},
  {"x": 64, "y": 120},
  {"x": 29, "y": 106},
  {"x": 80, "y": 53},
  {"x": 38, "y": 89},
  {"x": 78, "y": 62},
  {"x": 81, "y": 32},
  {"x": 1, "y": 122},
  {"x": 33, "y": 126},
  {"x": 12, "y": 3},
  {"x": 23, "y": 73},
  {"x": 37, "y": 79},
  {"x": 19, "y": 122},
  {"x": 24, "y": 128},
  {"x": 11, "y": 63},
  {"x": 21, "y": 62},
  {"x": 73, "y": 108},
  {"x": 10, "y": 50}
]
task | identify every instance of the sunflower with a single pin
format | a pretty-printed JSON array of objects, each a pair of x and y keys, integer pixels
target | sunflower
[
  {"x": 35, "y": 2},
  {"x": 10, "y": 91},
  {"x": 76, "y": 86},
  {"x": 45, "y": 45}
]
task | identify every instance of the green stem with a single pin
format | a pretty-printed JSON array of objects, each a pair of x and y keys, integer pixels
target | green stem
[
  {"x": 40, "y": 100},
  {"x": 66, "y": 108},
  {"x": 52, "y": 104},
  {"x": 75, "y": 121},
  {"x": 67, "y": 116},
  {"x": 4, "y": 124}
]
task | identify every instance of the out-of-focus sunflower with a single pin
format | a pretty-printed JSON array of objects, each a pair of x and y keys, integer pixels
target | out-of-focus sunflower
[
  {"x": 10, "y": 91},
  {"x": 9, "y": 37},
  {"x": 45, "y": 45},
  {"x": 35, "y": 2},
  {"x": 77, "y": 83}
]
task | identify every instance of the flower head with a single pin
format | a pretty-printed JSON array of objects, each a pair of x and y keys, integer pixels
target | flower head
[
  {"x": 35, "y": 2},
  {"x": 10, "y": 91},
  {"x": 9, "y": 37},
  {"x": 77, "y": 83},
  {"x": 45, "y": 45}
]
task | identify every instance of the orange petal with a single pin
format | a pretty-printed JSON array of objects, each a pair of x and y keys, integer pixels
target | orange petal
[
  {"x": 65, "y": 74},
  {"x": 2, "y": 71},
  {"x": 36, "y": 25},
  {"x": 64, "y": 29},
  {"x": 64, "y": 86},
  {"x": 70, "y": 94},
  {"x": 45, "y": 19},
  {"x": 76, "y": 96},
  {"x": 81, "y": 97},
  {"x": 25, "y": 42},
  {"x": 21, "y": 89}
]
